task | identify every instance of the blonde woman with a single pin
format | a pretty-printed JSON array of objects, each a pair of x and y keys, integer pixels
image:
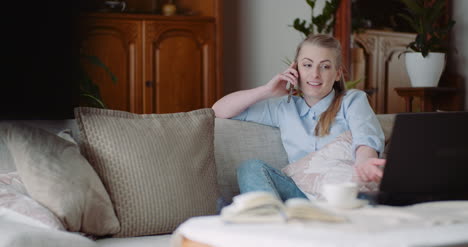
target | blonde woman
[{"x": 308, "y": 122}]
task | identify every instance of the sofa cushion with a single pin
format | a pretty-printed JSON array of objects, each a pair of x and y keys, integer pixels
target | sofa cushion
[
  {"x": 386, "y": 121},
  {"x": 237, "y": 141},
  {"x": 56, "y": 175},
  {"x": 159, "y": 169},
  {"x": 14, "y": 196},
  {"x": 18, "y": 230},
  {"x": 52, "y": 126},
  {"x": 334, "y": 163}
]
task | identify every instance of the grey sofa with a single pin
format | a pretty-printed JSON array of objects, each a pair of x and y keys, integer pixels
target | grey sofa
[{"x": 235, "y": 141}]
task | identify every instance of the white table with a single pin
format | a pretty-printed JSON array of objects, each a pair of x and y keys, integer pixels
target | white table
[{"x": 428, "y": 224}]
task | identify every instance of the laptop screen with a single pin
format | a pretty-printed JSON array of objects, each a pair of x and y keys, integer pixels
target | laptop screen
[{"x": 427, "y": 159}]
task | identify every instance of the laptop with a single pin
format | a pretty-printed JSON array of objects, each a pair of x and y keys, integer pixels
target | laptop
[{"x": 427, "y": 160}]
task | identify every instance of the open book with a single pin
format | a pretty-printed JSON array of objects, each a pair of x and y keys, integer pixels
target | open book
[{"x": 258, "y": 207}]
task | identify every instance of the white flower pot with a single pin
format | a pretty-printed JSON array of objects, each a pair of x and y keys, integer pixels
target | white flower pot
[{"x": 424, "y": 71}]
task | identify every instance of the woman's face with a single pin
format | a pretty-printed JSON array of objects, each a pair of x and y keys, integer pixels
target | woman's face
[{"x": 317, "y": 71}]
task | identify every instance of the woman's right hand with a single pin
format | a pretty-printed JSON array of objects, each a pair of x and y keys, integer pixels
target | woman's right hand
[
  {"x": 277, "y": 85},
  {"x": 234, "y": 103}
]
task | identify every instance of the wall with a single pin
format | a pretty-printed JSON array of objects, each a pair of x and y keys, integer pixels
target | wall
[
  {"x": 458, "y": 61},
  {"x": 257, "y": 38}
]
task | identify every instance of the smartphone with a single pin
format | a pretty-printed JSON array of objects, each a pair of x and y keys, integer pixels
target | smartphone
[{"x": 289, "y": 86}]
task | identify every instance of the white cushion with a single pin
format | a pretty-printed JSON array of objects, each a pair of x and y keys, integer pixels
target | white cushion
[
  {"x": 19, "y": 231},
  {"x": 56, "y": 175}
]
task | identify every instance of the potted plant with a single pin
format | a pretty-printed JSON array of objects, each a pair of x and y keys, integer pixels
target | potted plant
[
  {"x": 426, "y": 58},
  {"x": 89, "y": 93}
]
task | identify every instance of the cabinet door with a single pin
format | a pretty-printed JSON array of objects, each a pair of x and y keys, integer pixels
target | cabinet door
[
  {"x": 180, "y": 70},
  {"x": 117, "y": 44},
  {"x": 380, "y": 68}
]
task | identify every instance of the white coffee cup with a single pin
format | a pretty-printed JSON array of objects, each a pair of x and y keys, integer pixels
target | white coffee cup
[{"x": 341, "y": 195}]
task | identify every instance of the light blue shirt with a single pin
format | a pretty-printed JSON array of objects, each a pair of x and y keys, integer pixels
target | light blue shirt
[{"x": 297, "y": 121}]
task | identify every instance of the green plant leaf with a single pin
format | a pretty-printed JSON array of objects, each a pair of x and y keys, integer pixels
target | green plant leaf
[
  {"x": 322, "y": 23},
  {"x": 414, "y": 6},
  {"x": 311, "y": 3},
  {"x": 437, "y": 10},
  {"x": 352, "y": 84},
  {"x": 410, "y": 20},
  {"x": 96, "y": 61},
  {"x": 299, "y": 25},
  {"x": 286, "y": 61},
  {"x": 94, "y": 99},
  {"x": 89, "y": 92}
]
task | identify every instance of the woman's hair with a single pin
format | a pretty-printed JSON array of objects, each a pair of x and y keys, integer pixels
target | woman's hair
[{"x": 328, "y": 117}]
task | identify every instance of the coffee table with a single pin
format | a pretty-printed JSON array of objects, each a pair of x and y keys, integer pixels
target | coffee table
[{"x": 427, "y": 224}]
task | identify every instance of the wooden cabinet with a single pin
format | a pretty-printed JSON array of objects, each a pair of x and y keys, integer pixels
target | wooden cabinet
[
  {"x": 375, "y": 60},
  {"x": 162, "y": 64},
  {"x": 180, "y": 66},
  {"x": 118, "y": 44}
]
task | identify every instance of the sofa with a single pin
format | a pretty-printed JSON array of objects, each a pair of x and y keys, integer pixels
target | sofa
[{"x": 225, "y": 142}]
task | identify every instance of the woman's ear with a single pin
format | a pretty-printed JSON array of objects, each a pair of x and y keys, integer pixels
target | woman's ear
[{"x": 339, "y": 72}]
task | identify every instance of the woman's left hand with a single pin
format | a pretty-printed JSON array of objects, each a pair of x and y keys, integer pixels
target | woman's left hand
[{"x": 370, "y": 169}]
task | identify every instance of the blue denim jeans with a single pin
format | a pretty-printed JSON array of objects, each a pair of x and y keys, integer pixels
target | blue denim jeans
[{"x": 256, "y": 175}]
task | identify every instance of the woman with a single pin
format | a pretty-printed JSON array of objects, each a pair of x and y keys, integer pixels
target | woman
[{"x": 310, "y": 121}]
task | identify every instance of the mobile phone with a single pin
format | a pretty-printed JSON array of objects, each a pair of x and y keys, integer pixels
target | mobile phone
[{"x": 290, "y": 88}]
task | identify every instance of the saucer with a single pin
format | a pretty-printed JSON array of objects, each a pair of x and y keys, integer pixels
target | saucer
[{"x": 357, "y": 203}]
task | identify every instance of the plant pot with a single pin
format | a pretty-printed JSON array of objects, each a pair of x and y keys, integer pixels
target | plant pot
[{"x": 425, "y": 71}]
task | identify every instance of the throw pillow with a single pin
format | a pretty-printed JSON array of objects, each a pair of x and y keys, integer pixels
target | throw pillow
[
  {"x": 13, "y": 196},
  {"x": 18, "y": 230},
  {"x": 6, "y": 162},
  {"x": 159, "y": 169},
  {"x": 56, "y": 175},
  {"x": 333, "y": 163}
]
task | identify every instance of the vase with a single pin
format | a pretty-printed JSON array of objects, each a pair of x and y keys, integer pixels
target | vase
[
  {"x": 424, "y": 71},
  {"x": 169, "y": 8}
]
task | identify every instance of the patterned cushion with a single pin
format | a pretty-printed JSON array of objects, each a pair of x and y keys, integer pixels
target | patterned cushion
[
  {"x": 159, "y": 169},
  {"x": 332, "y": 164}
]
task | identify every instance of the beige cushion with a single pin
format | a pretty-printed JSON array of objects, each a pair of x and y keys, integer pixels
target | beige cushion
[
  {"x": 56, "y": 175},
  {"x": 159, "y": 169},
  {"x": 332, "y": 164},
  {"x": 386, "y": 121},
  {"x": 237, "y": 141}
]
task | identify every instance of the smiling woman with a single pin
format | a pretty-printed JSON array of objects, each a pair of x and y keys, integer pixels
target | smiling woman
[
  {"x": 319, "y": 68},
  {"x": 311, "y": 120}
]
